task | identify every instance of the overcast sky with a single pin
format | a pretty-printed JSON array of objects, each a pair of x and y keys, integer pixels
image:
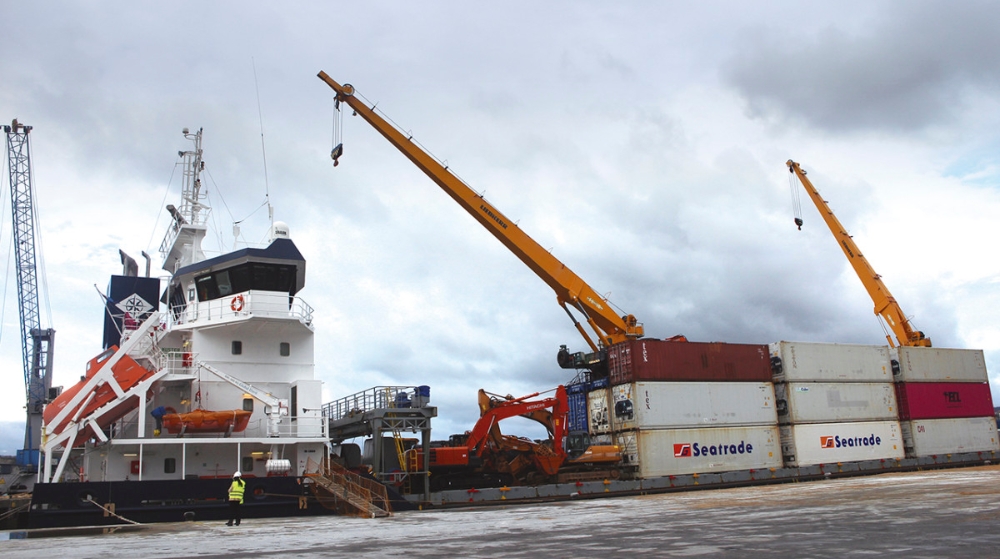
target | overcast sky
[{"x": 644, "y": 143}]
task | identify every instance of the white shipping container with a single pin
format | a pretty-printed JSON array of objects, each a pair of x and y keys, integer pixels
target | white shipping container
[
  {"x": 598, "y": 418},
  {"x": 929, "y": 437},
  {"x": 670, "y": 405},
  {"x": 812, "y": 362},
  {"x": 662, "y": 452},
  {"x": 935, "y": 364},
  {"x": 835, "y": 402},
  {"x": 829, "y": 443}
]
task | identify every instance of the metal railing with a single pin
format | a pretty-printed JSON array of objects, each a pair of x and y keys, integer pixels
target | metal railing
[
  {"x": 266, "y": 304},
  {"x": 378, "y": 397},
  {"x": 299, "y": 427}
]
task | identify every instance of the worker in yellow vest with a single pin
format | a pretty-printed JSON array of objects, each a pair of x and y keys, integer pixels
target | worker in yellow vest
[{"x": 235, "y": 499}]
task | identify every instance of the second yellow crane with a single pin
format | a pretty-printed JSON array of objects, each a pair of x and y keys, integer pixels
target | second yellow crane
[{"x": 886, "y": 306}]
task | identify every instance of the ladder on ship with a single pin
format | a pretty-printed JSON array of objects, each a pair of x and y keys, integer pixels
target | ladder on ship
[
  {"x": 397, "y": 437},
  {"x": 348, "y": 493}
]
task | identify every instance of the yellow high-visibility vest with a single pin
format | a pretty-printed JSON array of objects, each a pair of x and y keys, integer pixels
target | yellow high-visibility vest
[{"x": 236, "y": 490}]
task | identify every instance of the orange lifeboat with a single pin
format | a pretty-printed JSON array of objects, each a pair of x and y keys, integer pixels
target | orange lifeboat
[
  {"x": 205, "y": 421},
  {"x": 127, "y": 373}
]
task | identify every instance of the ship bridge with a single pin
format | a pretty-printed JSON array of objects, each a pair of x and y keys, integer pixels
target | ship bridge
[{"x": 247, "y": 282}]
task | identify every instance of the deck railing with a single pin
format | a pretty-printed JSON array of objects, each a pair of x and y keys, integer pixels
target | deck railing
[
  {"x": 379, "y": 397},
  {"x": 266, "y": 304}
]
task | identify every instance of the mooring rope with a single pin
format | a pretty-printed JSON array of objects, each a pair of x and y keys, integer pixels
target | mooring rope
[
  {"x": 112, "y": 513},
  {"x": 14, "y": 510}
]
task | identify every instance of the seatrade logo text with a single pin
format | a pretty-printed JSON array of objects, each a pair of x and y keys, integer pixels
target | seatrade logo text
[
  {"x": 836, "y": 441},
  {"x": 689, "y": 450}
]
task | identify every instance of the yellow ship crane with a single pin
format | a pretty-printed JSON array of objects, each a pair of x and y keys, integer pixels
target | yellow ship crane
[
  {"x": 886, "y": 306},
  {"x": 571, "y": 291}
]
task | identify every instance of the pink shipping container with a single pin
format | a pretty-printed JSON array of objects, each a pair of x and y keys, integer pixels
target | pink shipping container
[
  {"x": 943, "y": 400},
  {"x": 657, "y": 360},
  {"x": 929, "y": 437}
]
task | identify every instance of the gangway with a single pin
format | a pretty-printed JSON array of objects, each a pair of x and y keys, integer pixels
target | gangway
[
  {"x": 348, "y": 493},
  {"x": 379, "y": 410}
]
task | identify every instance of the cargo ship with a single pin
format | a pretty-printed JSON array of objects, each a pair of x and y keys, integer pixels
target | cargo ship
[{"x": 209, "y": 373}]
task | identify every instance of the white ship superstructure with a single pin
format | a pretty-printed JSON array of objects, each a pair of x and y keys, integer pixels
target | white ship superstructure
[{"x": 226, "y": 374}]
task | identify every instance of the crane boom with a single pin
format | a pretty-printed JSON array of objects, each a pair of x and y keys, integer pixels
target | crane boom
[
  {"x": 571, "y": 290},
  {"x": 36, "y": 342},
  {"x": 886, "y": 306}
]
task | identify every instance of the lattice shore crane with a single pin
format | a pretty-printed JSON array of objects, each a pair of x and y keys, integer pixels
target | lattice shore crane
[
  {"x": 886, "y": 306},
  {"x": 571, "y": 291},
  {"x": 36, "y": 342}
]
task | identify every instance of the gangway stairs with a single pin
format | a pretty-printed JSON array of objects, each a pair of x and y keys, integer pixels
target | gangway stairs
[
  {"x": 386, "y": 410},
  {"x": 350, "y": 494}
]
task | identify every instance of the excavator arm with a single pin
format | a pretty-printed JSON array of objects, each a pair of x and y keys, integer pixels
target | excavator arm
[
  {"x": 886, "y": 306},
  {"x": 522, "y": 406},
  {"x": 571, "y": 290}
]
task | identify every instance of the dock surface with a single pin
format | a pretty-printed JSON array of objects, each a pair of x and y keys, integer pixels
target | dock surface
[{"x": 953, "y": 513}]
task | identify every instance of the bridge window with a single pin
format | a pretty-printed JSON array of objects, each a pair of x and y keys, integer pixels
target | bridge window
[
  {"x": 252, "y": 275},
  {"x": 237, "y": 347},
  {"x": 285, "y": 349}
]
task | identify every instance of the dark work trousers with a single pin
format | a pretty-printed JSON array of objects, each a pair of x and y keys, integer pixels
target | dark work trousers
[{"x": 234, "y": 512}]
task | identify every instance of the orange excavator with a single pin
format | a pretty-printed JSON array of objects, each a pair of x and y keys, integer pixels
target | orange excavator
[
  {"x": 886, "y": 307},
  {"x": 572, "y": 292},
  {"x": 485, "y": 456}
]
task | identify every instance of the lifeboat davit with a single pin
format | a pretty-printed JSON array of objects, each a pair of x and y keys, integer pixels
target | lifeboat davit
[
  {"x": 127, "y": 373},
  {"x": 205, "y": 421}
]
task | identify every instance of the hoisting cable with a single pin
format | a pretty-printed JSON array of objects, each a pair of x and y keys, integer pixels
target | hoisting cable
[
  {"x": 336, "y": 139},
  {"x": 796, "y": 202}
]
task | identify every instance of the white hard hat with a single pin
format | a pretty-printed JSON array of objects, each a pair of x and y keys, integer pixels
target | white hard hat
[{"x": 237, "y": 474}]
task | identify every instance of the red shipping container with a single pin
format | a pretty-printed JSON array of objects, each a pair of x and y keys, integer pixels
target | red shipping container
[
  {"x": 658, "y": 360},
  {"x": 943, "y": 400}
]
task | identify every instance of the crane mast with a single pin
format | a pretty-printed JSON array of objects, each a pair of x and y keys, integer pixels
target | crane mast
[
  {"x": 36, "y": 342},
  {"x": 886, "y": 306},
  {"x": 571, "y": 291}
]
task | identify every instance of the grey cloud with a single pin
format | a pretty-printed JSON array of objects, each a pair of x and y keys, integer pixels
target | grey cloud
[{"x": 908, "y": 71}]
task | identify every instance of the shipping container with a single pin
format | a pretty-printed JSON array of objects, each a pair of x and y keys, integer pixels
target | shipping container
[
  {"x": 943, "y": 400},
  {"x": 576, "y": 416},
  {"x": 675, "y": 405},
  {"x": 813, "y": 362},
  {"x": 658, "y": 360},
  {"x": 828, "y": 443},
  {"x": 662, "y": 452},
  {"x": 930, "y": 437},
  {"x": 599, "y": 420},
  {"x": 835, "y": 402},
  {"x": 935, "y": 364}
]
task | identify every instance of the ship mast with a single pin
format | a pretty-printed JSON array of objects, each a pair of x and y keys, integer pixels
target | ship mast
[{"x": 182, "y": 243}]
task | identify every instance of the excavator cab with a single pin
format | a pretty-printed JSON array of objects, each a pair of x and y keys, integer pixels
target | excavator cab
[{"x": 575, "y": 444}]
